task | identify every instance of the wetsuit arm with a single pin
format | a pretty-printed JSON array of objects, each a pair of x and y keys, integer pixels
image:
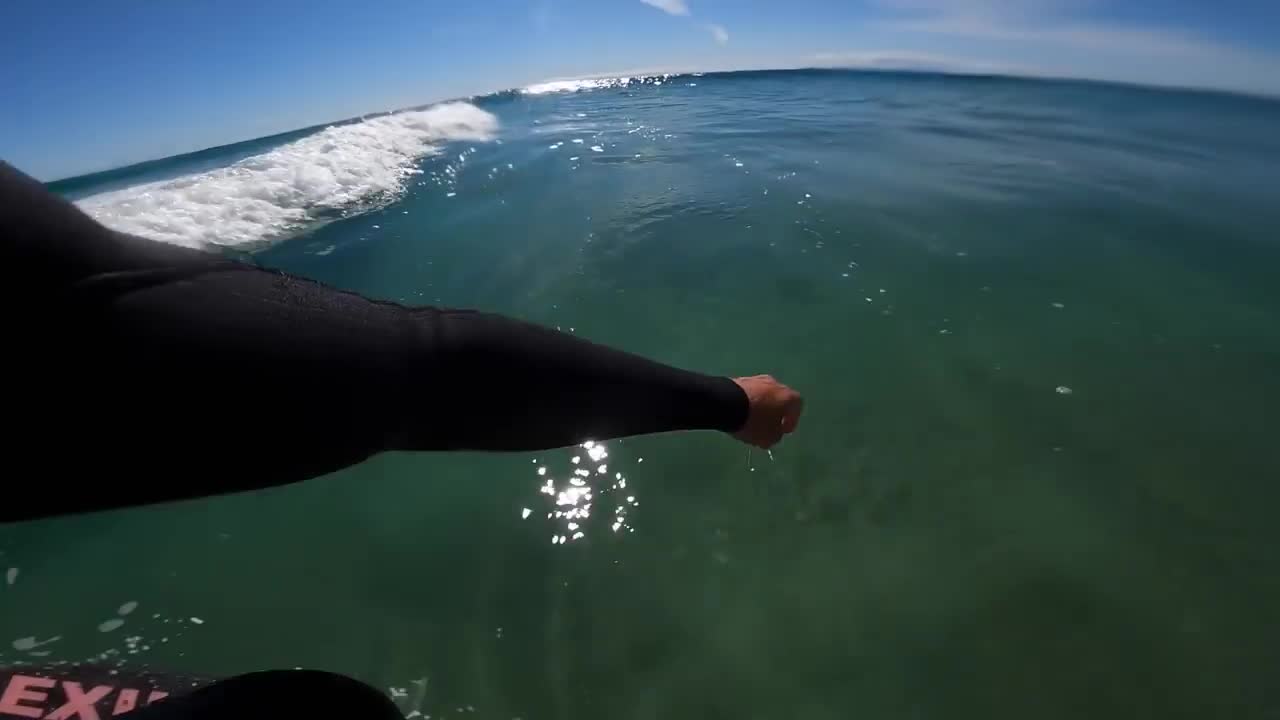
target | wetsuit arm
[{"x": 160, "y": 373}]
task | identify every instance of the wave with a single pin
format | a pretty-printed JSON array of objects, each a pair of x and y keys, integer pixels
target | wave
[
  {"x": 336, "y": 171},
  {"x": 601, "y": 83}
]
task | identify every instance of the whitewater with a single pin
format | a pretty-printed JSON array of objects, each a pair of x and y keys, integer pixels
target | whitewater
[{"x": 338, "y": 170}]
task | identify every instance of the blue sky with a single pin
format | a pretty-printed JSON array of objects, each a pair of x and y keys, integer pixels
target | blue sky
[{"x": 95, "y": 84}]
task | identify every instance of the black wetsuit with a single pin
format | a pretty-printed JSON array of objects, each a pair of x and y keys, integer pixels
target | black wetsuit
[{"x": 140, "y": 372}]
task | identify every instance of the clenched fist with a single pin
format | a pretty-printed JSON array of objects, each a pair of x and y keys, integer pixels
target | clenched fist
[{"x": 775, "y": 411}]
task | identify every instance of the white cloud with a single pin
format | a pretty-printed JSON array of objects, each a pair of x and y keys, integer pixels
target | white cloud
[
  {"x": 913, "y": 60},
  {"x": 1083, "y": 36},
  {"x": 986, "y": 8},
  {"x": 671, "y": 7},
  {"x": 1059, "y": 40},
  {"x": 680, "y": 7}
]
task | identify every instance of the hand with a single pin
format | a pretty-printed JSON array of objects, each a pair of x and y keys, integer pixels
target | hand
[{"x": 774, "y": 411}]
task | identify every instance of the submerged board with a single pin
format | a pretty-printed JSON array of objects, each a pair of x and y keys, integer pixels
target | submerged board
[{"x": 86, "y": 692}]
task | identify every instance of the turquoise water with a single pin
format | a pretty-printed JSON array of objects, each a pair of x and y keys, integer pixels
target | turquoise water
[{"x": 1037, "y": 325}]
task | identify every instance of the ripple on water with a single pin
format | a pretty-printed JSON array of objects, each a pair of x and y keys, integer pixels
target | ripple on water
[{"x": 31, "y": 643}]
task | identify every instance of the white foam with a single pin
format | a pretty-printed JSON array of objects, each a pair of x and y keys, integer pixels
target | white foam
[
  {"x": 26, "y": 643},
  {"x": 601, "y": 83},
  {"x": 556, "y": 86},
  {"x": 340, "y": 169}
]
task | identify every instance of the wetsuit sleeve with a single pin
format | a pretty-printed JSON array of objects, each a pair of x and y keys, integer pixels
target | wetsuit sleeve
[{"x": 146, "y": 372}]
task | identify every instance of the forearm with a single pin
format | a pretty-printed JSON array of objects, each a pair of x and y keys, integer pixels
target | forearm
[
  {"x": 520, "y": 386},
  {"x": 238, "y": 378},
  {"x": 368, "y": 376},
  {"x": 151, "y": 373}
]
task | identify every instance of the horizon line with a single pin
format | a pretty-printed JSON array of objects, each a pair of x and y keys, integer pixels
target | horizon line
[{"x": 887, "y": 69}]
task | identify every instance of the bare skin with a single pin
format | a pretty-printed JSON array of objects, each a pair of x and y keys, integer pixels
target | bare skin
[{"x": 775, "y": 411}]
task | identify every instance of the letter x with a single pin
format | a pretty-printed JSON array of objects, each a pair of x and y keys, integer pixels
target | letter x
[{"x": 79, "y": 702}]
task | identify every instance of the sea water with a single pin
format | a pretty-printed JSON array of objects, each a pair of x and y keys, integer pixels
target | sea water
[{"x": 1037, "y": 325}]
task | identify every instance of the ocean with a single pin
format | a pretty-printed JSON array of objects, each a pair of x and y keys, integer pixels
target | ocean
[{"x": 1036, "y": 322}]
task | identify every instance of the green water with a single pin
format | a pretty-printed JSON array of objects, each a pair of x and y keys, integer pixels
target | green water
[{"x": 1036, "y": 476}]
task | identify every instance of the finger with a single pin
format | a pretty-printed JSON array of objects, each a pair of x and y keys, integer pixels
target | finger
[
  {"x": 791, "y": 419},
  {"x": 768, "y": 439}
]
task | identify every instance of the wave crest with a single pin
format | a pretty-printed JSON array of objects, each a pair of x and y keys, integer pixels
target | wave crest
[
  {"x": 556, "y": 86},
  {"x": 341, "y": 168}
]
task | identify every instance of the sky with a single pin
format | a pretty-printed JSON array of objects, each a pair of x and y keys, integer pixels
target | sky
[{"x": 87, "y": 85}]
